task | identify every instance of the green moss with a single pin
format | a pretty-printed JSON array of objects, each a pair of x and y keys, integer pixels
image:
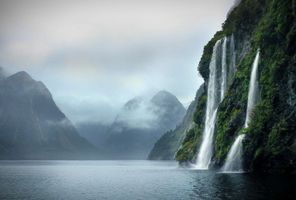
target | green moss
[
  {"x": 270, "y": 138},
  {"x": 198, "y": 116},
  {"x": 188, "y": 150},
  {"x": 203, "y": 66},
  {"x": 273, "y": 142}
]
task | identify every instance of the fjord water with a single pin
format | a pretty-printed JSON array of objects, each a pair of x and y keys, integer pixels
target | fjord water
[{"x": 128, "y": 180}]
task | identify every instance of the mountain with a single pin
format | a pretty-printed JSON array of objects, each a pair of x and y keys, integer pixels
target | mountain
[
  {"x": 94, "y": 132},
  {"x": 261, "y": 32},
  {"x": 32, "y": 126},
  {"x": 140, "y": 123},
  {"x": 168, "y": 144}
]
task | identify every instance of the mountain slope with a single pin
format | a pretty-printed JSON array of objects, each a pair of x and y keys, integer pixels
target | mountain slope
[
  {"x": 32, "y": 126},
  {"x": 270, "y": 141},
  {"x": 94, "y": 132},
  {"x": 166, "y": 147},
  {"x": 140, "y": 123}
]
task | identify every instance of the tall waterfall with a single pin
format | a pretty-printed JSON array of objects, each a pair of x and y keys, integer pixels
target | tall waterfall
[
  {"x": 232, "y": 67},
  {"x": 205, "y": 151},
  {"x": 219, "y": 79},
  {"x": 233, "y": 161},
  {"x": 234, "y": 158},
  {"x": 253, "y": 88},
  {"x": 224, "y": 69}
]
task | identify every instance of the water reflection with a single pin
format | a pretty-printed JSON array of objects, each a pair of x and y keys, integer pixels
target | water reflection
[
  {"x": 128, "y": 180},
  {"x": 211, "y": 185}
]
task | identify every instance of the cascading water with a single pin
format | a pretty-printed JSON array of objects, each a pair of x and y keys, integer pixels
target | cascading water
[
  {"x": 224, "y": 69},
  {"x": 253, "y": 89},
  {"x": 232, "y": 67},
  {"x": 205, "y": 151},
  {"x": 234, "y": 158},
  {"x": 219, "y": 77},
  {"x": 233, "y": 161}
]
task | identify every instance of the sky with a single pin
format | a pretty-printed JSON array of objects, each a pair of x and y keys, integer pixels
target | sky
[{"x": 95, "y": 55}]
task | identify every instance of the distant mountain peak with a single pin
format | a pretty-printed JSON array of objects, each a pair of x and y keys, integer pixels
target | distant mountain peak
[
  {"x": 164, "y": 93},
  {"x": 22, "y": 75},
  {"x": 20, "y": 79},
  {"x": 163, "y": 98},
  {"x": 133, "y": 103},
  {"x": 33, "y": 127},
  {"x": 23, "y": 80}
]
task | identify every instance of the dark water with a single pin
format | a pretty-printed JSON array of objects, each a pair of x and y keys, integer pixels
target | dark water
[{"x": 127, "y": 180}]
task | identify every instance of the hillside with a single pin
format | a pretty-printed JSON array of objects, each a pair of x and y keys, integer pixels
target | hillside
[
  {"x": 268, "y": 27},
  {"x": 33, "y": 127}
]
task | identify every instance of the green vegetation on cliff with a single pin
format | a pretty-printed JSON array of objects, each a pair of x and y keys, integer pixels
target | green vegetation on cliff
[
  {"x": 269, "y": 146},
  {"x": 193, "y": 136}
]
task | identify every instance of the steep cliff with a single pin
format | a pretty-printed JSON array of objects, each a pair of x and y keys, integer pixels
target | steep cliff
[{"x": 270, "y": 142}]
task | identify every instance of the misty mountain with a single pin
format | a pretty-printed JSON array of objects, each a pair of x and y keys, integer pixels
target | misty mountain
[
  {"x": 32, "y": 126},
  {"x": 140, "y": 124},
  {"x": 94, "y": 132},
  {"x": 168, "y": 144}
]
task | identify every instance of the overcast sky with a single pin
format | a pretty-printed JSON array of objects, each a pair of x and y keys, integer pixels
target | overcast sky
[{"x": 95, "y": 55}]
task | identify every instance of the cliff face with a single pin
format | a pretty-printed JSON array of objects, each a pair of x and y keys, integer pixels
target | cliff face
[{"x": 270, "y": 142}]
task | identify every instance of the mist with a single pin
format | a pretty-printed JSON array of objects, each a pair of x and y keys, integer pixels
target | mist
[{"x": 96, "y": 55}]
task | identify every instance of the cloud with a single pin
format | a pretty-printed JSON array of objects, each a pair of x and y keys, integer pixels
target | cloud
[
  {"x": 95, "y": 55},
  {"x": 141, "y": 117}
]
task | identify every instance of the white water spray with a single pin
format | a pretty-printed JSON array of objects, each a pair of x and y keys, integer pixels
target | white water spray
[
  {"x": 233, "y": 161},
  {"x": 217, "y": 87},
  {"x": 253, "y": 89},
  {"x": 224, "y": 69},
  {"x": 205, "y": 151},
  {"x": 234, "y": 158},
  {"x": 232, "y": 67}
]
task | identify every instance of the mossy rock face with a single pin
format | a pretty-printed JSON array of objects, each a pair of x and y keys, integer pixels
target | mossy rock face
[
  {"x": 189, "y": 146},
  {"x": 270, "y": 142},
  {"x": 188, "y": 149}
]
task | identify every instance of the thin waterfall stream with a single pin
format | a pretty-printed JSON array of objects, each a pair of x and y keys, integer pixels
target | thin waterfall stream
[
  {"x": 233, "y": 161},
  {"x": 205, "y": 151}
]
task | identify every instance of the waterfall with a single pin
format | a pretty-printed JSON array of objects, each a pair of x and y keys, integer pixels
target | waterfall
[
  {"x": 219, "y": 79},
  {"x": 224, "y": 69},
  {"x": 205, "y": 151},
  {"x": 232, "y": 67},
  {"x": 253, "y": 88},
  {"x": 233, "y": 161}
]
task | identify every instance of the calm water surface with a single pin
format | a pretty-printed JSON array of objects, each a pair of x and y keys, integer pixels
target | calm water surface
[{"x": 128, "y": 180}]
